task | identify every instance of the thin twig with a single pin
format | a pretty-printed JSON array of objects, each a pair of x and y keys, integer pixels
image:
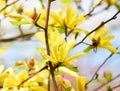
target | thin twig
[
  {"x": 66, "y": 34},
  {"x": 89, "y": 14},
  {"x": 98, "y": 27},
  {"x": 20, "y": 29},
  {"x": 17, "y": 37},
  {"x": 77, "y": 2},
  {"x": 107, "y": 83},
  {"x": 8, "y": 5},
  {"x": 93, "y": 77},
  {"x": 115, "y": 87},
  {"x": 37, "y": 24},
  {"x": 49, "y": 82},
  {"x": 32, "y": 75}
]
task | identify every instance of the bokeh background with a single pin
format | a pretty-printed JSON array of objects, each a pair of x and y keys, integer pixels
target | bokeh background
[{"x": 26, "y": 49}]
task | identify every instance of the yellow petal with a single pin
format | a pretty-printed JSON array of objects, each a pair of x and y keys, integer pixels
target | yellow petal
[
  {"x": 12, "y": 8},
  {"x": 68, "y": 71},
  {"x": 45, "y": 56},
  {"x": 57, "y": 18},
  {"x": 2, "y": 5},
  {"x": 1, "y": 68},
  {"x": 18, "y": 16},
  {"x": 37, "y": 88},
  {"x": 81, "y": 81},
  {"x": 67, "y": 48},
  {"x": 22, "y": 75},
  {"x": 70, "y": 15},
  {"x": 40, "y": 36},
  {"x": 76, "y": 55},
  {"x": 110, "y": 48},
  {"x": 77, "y": 21}
]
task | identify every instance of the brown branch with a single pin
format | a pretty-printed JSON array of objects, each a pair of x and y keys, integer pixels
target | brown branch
[
  {"x": 107, "y": 83},
  {"x": 98, "y": 27},
  {"x": 37, "y": 24},
  {"x": 32, "y": 75},
  {"x": 89, "y": 14},
  {"x": 93, "y": 77},
  {"x": 115, "y": 87},
  {"x": 17, "y": 37},
  {"x": 46, "y": 27},
  {"x": 8, "y": 5},
  {"x": 47, "y": 45}
]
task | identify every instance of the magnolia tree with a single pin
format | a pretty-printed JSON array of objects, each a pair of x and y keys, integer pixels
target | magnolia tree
[{"x": 59, "y": 33}]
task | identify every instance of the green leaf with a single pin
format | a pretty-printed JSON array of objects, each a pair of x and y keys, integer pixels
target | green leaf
[
  {"x": 61, "y": 29},
  {"x": 75, "y": 69},
  {"x": 88, "y": 48},
  {"x": 118, "y": 53},
  {"x": 17, "y": 23},
  {"x": 68, "y": 89},
  {"x": 108, "y": 88},
  {"x": 96, "y": 76},
  {"x": 43, "y": 6},
  {"x": 108, "y": 76},
  {"x": 67, "y": 1},
  {"x": 117, "y": 6}
]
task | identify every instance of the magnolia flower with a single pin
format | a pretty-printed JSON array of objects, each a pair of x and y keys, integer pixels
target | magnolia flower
[
  {"x": 69, "y": 21},
  {"x": 80, "y": 80},
  {"x": 59, "y": 49},
  {"x": 11, "y": 80},
  {"x": 101, "y": 39}
]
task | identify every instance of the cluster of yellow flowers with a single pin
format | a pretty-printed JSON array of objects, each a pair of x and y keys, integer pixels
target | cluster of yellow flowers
[{"x": 60, "y": 48}]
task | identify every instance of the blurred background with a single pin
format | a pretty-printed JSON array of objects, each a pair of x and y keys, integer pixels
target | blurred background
[{"x": 26, "y": 49}]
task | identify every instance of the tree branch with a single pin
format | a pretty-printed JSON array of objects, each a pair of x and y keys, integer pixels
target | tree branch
[
  {"x": 115, "y": 87},
  {"x": 92, "y": 10},
  {"x": 8, "y": 5},
  {"x": 47, "y": 45},
  {"x": 98, "y": 27},
  {"x": 17, "y": 37},
  {"x": 107, "y": 83},
  {"x": 93, "y": 77},
  {"x": 32, "y": 75}
]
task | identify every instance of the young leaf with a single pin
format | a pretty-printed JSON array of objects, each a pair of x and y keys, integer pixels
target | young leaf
[
  {"x": 118, "y": 53},
  {"x": 68, "y": 89},
  {"x": 67, "y": 1},
  {"x": 108, "y": 88},
  {"x": 108, "y": 76},
  {"x": 17, "y": 23},
  {"x": 75, "y": 69},
  {"x": 96, "y": 76},
  {"x": 117, "y": 6},
  {"x": 88, "y": 49}
]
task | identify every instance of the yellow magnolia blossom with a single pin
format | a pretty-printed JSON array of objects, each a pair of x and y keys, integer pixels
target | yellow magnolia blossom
[
  {"x": 69, "y": 21},
  {"x": 80, "y": 80},
  {"x": 64, "y": 83},
  {"x": 6, "y": 11},
  {"x": 10, "y": 80},
  {"x": 59, "y": 49},
  {"x": 101, "y": 39},
  {"x": 14, "y": 81}
]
